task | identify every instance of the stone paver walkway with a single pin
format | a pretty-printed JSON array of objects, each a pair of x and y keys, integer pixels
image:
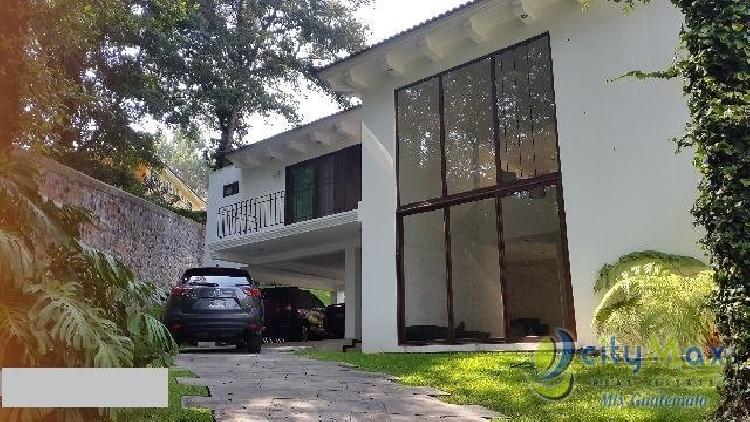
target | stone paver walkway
[{"x": 282, "y": 386}]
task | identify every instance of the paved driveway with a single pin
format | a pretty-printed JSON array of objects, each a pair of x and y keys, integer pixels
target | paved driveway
[{"x": 277, "y": 385}]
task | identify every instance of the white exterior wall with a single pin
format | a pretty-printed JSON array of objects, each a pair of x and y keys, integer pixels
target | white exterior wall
[
  {"x": 625, "y": 189},
  {"x": 253, "y": 183}
]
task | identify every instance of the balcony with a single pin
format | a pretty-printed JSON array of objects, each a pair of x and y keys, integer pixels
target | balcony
[
  {"x": 317, "y": 188},
  {"x": 250, "y": 216}
]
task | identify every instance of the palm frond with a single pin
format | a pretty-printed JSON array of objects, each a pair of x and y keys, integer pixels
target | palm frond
[
  {"x": 18, "y": 336},
  {"x": 16, "y": 260},
  {"x": 80, "y": 326},
  {"x": 658, "y": 295}
]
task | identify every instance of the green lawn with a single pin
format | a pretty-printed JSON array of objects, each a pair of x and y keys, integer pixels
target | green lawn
[
  {"x": 175, "y": 412},
  {"x": 500, "y": 381}
]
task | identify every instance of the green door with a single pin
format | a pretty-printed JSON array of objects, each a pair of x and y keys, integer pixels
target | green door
[{"x": 303, "y": 193}]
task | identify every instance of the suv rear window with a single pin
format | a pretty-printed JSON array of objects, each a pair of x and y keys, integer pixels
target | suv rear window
[
  {"x": 276, "y": 293},
  {"x": 307, "y": 300},
  {"x": 216, "y": 281}
]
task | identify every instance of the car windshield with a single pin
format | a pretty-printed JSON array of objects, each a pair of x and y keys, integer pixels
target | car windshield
[{"x": 217, "y": 281}]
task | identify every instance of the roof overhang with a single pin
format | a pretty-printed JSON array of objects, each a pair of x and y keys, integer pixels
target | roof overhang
[
  {"x": 475, "y": 21},
  {"x": 337, "y": 131}
]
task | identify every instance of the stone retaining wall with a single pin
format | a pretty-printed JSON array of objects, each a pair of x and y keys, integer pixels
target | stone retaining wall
[{"x": 158, "y": 245}]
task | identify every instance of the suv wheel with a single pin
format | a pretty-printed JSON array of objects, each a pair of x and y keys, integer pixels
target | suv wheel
[{"x": 251, "y": 343}]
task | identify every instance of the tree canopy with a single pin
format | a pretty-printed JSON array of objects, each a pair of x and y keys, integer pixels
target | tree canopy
[
  {"x": 84, "y": 83},
  {"x": 231, "y": 59},
  {"x": 81, "y": 77}
]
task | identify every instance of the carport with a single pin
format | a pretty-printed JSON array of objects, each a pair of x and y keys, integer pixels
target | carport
[{"x": 324, "y": 253}]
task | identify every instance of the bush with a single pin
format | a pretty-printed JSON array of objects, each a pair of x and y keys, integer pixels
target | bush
[
  {"x": 650, "y": 294},
  {"x": 63, "y": 304}
]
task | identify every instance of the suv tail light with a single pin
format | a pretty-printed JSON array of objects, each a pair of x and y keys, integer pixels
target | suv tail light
[
  {"x": 179, "y": 291},
  {"x": 251, "y": 291}
]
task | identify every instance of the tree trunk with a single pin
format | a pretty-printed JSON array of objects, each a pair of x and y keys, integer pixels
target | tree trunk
[{"x": 228, "y": 123}]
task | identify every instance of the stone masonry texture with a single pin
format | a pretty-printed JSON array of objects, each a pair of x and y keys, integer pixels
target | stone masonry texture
[{"x": 156, "y": 244}]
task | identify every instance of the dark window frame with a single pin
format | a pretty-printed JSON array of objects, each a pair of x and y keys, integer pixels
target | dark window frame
[
  {"x": 347, "y": 183},
  {"x": 498, "y": 191},
  {"x": 231, "y": 189}
]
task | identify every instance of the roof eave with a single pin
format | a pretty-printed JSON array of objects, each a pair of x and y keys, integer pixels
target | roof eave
[
  {"x": 340, "y": 128},
  {"x": 339, "y": 76},
  {"x": 476, "y": 21}
]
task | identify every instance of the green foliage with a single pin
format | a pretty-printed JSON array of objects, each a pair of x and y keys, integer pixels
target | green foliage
[
  {"x": 82, "y": 82},
  {"x": 186, "y": 155},
  {"x": 85, "y": 86},
  {"x": 715, "y": 66},
  {"x": 231, "y": 59},
  {"x": 323, "y": 295},
  {"x": 197, "y": 216},
  {"x": 649, "y": 294},
  {"x": 12, "y": 67},
  {"x": 65, "y": 305},
  {"x": 174, "y": 412}
]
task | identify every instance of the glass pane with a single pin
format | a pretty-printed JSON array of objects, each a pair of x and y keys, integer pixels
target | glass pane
[
  {"x": 534, "y": 279},
  {"x": 217, "y": 281},
  {"x": 326, "y": 185},
  {"x": 419, "y": 164},
  {"x": 469, "y": 134},
  {"x": 477, "y": 298},
  {"x": 425, "y": 293},
  {"x": 544, "y": 131},
  {"x": 526, "y": 108},
  {"x": 303, "y": 198}
]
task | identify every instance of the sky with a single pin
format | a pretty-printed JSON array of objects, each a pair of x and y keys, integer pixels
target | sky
[{"x": 385, "y": 18}]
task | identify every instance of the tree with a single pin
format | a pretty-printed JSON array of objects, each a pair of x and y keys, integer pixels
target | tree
[
  {"x": 231, "y": 59},
  {"x": 63, "y": 304},
  {"x": 13, "y": 21},
  {"x": 715, "y": 66},
  {"x": 85, "y": 83}
]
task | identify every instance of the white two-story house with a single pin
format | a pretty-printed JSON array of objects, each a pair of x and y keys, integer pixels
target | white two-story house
[{"x": 490, "y": 172}]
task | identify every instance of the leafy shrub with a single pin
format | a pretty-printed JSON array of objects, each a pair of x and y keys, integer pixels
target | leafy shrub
[
  {"x": 652, "y": 294},
  {"x": 63, "y": 304}
]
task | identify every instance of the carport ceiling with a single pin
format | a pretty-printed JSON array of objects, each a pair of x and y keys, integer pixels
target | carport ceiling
[
  {"x": 330, "y": 266},
  {"x": 333, "y": 261}
]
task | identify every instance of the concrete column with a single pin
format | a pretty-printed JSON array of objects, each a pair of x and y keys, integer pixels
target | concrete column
[{"x": 353, "y": 292}]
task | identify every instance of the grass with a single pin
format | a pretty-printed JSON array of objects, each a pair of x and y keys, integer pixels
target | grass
[
  {"x": 501, "y": 381},
  {"x": 175, "y": 412}
]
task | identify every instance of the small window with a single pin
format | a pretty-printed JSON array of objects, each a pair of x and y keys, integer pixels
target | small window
[{"x": 231, "y": 189}]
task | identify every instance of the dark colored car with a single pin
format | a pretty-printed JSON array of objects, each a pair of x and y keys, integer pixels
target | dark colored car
[
  {"x": 216, "y": 304},
  {"x": 334, "y": 320},
  {"x": 292, "y": 314}
]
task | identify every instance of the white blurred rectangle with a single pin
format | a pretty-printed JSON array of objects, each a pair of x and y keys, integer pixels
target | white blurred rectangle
[{"x": 85, "y": 387}]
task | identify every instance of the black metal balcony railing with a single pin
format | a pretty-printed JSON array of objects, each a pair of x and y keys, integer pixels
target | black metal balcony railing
[
  {"x": 325, "y": 185},
  {"x": 251, "y": 215}
]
